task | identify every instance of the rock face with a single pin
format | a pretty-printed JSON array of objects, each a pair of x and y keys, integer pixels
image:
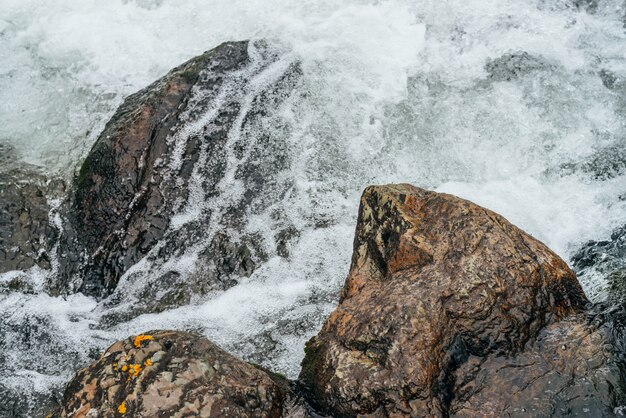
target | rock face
[
  {"x": 26, "y": 234},
  {"x": 175, "y": 374},
  {"x": 449, "y": 310},
  {"x": 147, "y": 189}
]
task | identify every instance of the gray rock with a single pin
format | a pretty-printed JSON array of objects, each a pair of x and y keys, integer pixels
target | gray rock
[
  {"x": 26, "y": 234},
  {"x": 513, "y": 65},
  {"x": 591, "y": 6},
  {"x": 608, "y": 259}
]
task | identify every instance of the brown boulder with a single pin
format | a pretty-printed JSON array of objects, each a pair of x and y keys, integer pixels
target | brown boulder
[
  {"x": 449, "y": 309},
  {"x": 175, "y": 374}
]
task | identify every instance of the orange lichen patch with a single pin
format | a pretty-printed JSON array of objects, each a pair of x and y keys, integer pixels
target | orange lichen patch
[
  {"x": 134, "y": 370},
  {"x": 140, "y": 338},
  {"x": 122, "y": 408},
  {"x": 148, "y": 363},
  {"x": 124, "y": 368}
]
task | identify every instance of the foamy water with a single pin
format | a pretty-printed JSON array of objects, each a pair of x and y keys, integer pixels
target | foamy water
[{"x": 392, "y": 91}]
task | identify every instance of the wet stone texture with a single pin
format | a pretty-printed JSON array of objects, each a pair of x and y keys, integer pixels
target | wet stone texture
[
  {"x": 514, "y": 65},
  {"x": 26, "y": 234},
  {"x": 606, "y": 258},
  {"x": 449, "y": 310},
  {"x": 175, "y": 374},
  {"x": 175, "y": 175}
]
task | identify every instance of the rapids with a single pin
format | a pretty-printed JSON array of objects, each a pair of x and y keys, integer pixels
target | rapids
[{"x": 519, "y": 106}]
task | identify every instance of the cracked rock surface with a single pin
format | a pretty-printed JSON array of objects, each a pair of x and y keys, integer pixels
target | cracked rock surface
[
  {"x": 175, "y": 374},
  {"x": 450, "y": 310},
  {"x": 26, "y": 233}
]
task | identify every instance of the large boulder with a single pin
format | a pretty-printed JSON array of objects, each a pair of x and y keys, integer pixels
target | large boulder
[
  {"x": 449, "y": 309},
  {"x": 175, "y": 374},
  {"x": 172, "y": 180}
]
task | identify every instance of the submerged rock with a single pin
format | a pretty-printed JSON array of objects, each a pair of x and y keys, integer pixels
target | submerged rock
[
  {"x": 513, "y": 65},
  {"x": 590, "y": 6},
  {"x": 173, "y": 179},
  {"x": 449, "y": 310},
  {"x": 611, "y": 80},
  {"x": 175, "y": 374}
]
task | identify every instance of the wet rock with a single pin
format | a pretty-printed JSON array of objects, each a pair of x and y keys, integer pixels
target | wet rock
[
  {"x": 513, "y": 65},
  {"x": 147, "y": 190},
  {"x": 449, "y": 310},
  {"x": 591, "y": 6},
  {"x": 606, "y": 259},
  {"x": 8, "y": 156},
  {"x": 611, "y": 80},
  {"x": 171, "y": 373},
  {"x": 26, "y": 234}
]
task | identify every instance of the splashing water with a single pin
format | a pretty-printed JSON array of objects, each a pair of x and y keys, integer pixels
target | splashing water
[{"x": 517, "y": 106}]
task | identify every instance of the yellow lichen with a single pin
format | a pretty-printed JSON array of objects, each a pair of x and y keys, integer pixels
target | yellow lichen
[
  {"x": 140, "y": 338},
  {"x": 148, "y": 363},
  {"x": 122, "y": 408},
  {"x": 133, "y": 370}
]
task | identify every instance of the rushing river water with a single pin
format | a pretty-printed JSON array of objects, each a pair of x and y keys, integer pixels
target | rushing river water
[{"x": 517, "y": 105}]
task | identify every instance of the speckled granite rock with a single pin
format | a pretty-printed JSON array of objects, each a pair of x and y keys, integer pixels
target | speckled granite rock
[
  {"x": 449, "y": 310},
  {"x": 175, "y": 374}
]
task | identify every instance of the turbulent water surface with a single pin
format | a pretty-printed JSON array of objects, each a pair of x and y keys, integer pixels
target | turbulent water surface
[{"x": 516, "y": 105}]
